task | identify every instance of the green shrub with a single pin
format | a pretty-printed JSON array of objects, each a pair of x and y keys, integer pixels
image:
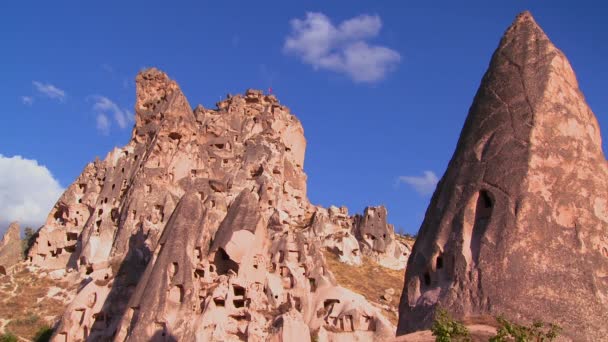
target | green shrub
[
  {"x": 446, "y": 329},
  {"x": 8, "y": 337},
  {"x": 537, "y": 332},
  {"x": 28, "y": 240},
  {"x": 43, "y": 334}
]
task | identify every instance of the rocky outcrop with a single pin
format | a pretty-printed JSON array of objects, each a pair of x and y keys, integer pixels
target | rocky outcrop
[
  {"x": 10, "y": 248},
  {"x": 518, "y": 224},
  {"x": 377, "y": 238},
  {"x": 351, "y": 237},
  {"x": 198, "y": 229}
]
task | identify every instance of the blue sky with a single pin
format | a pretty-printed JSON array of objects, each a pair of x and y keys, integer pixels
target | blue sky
[{"x": 64, "y": 64}]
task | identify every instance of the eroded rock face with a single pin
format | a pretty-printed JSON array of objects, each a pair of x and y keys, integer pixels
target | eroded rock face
[
  {"x": 197, "y": 229},
  {"x": 351, "y": 237},
  {"x": 377, "y": 238},
  {"x": 10, "y": 248},
  {"x": 518, "y": 224}
]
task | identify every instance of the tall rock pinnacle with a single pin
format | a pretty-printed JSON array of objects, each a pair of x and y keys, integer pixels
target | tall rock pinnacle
[
  {"x": 10, "y": 247},
  {"x": 200, "y": 229},
  {"x": 518, "y": 224}
]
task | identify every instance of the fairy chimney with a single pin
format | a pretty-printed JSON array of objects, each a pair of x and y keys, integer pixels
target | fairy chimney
[{"x": 518, "y": 224}]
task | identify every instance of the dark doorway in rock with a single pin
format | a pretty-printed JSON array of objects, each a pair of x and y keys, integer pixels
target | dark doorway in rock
[
  {"x": 427, "y": 279},
  {"x": 439, "y": 262},
  {"x": 483, "y": 214},
  {"x": 223, "y": 262}
]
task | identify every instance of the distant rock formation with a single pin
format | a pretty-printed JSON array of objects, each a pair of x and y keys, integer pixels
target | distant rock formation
[
  {"x": 11, "y": 250},
  {"x": 200, "y": 229},
  {"x": 518, "y": 224},
  {"x": 352, "y": 237}
]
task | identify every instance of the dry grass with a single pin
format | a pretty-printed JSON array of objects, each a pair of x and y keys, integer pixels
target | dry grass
[
  {"x": 369, "y": 280},
  {"x": 29, "y": 305}
]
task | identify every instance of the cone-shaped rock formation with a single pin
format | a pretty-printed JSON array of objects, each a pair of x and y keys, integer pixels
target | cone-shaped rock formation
[
  {"x": 518, "y": 224},
  {"x": 200, "y": 229},
  {"x": 10, "y": 248}
]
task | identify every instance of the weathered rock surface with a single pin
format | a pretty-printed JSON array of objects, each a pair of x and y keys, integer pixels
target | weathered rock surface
[
  {"x": 199, "y": 229},
  {"x": 10, "y": 248},
  {"x": 351, "y": 237},
  {"x": 518, "y": 224}
]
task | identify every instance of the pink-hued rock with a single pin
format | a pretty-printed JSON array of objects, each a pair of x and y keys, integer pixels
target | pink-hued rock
[
  {"x": 10, "y": 248},
  {"x": 518, "y": 224},
  {"x": 198, "y": 230},
  {"x": 352, "y": 237}
]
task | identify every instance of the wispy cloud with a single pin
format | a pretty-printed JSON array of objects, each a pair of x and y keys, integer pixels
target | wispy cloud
[
  {"x": 343, "y": 48},
  {"x": 27, "y": 100},
  {"x": 104, "y": 107},
  {"x": 103, "y": 124},
  {"x": 424, "y": 185},
  {"x": 115, "y": 75},
  {"x": 49, "y": 90}
]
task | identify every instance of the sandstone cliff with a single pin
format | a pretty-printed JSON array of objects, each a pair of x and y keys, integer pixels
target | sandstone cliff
[
  {"x": 200, "y": 229},
  {"x": 518, "y": 224},
  {"x": 10, "y": 248}
]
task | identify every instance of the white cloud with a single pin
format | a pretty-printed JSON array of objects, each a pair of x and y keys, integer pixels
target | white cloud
[
  {"x": 49, "y": 90},
  {"x": 104, "y": 106},
  {"x": 28, "y": 191},
  {"x": 318, "y": 42},
  {"x": 424, "y": 185},
  {"x": 27, "y": 100},
  {"x": 103, "y": 124}
]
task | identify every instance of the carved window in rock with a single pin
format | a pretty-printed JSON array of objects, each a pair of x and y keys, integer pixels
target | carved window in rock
[
  {"x": 313, "y": 284},
  {"x": 199, "y": 273},
  {"x": 439, "y": 262},
  {"x": 346, "y": 323},
  {"x": 238, "y": 300},
  {"x": 328, "y": 305},
  {"x": 297, "y": 303},
  {"x": 221, "y": 302},
  {"x": 71, "y": 236},
  {"x": 159, "y": 213},
  {"x": 238, "y": 303},
  {"x": 427, "y": 279},
  {"x": 198, "y": 255},
  {"x": 224, "y": 264}
]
